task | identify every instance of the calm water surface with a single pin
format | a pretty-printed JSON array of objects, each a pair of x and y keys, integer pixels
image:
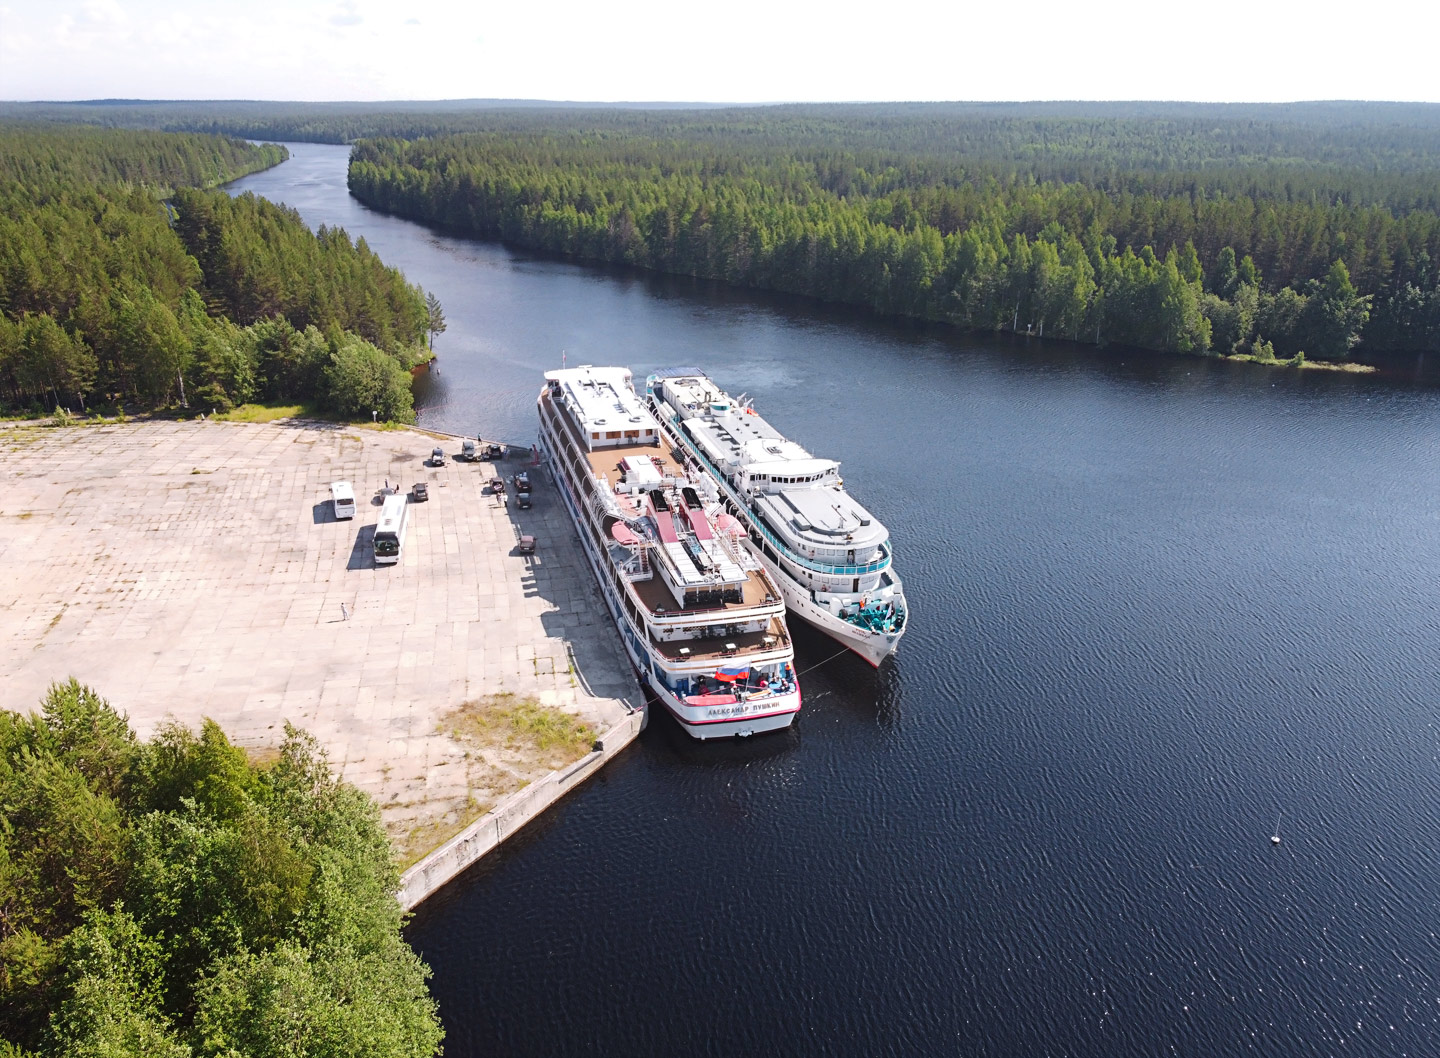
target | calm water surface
[{"x": 1156, "y": 604}]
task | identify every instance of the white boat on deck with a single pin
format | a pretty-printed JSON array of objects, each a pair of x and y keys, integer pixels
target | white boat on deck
[
  {"x": 831, "y": 557},
  {"x": 702, "y": 620}
]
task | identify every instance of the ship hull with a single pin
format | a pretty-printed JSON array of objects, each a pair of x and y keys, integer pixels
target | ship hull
[{"x": 874, "y": 647}]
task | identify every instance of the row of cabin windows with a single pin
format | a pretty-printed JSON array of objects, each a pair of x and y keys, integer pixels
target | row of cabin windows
[
  {"x": 788, "y": 481},
  {"x": 615, "y": 435}
]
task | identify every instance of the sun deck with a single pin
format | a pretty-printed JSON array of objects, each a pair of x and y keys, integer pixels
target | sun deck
[
  {"x": 656, "y": 598},
  {"x": 609, "y": 465},
  {"x": 610, "y": 462},
  {"x": 718, "y": 648}
]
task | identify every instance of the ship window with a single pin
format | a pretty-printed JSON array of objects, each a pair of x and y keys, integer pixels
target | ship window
[
  {"x": 632, "y": 433},
  {"x": 594, "y": 437},
  {"x": 611, "y": 435}
]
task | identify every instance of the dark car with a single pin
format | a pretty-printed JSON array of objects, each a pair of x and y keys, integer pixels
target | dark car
[
  {"x": 522, "y": 489},
  {"x": 526, "y": 545},
  {"x": 421, "y": 492},
  {"x": 437, "y": 457}
]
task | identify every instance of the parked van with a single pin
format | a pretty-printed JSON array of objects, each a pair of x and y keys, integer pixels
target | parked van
[
  {"x": 467, "y": 450},
  {"x": 343, "y": 497}
]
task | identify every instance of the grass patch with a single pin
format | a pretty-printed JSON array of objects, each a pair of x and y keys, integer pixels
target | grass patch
[
  {"x": 384, "y": 427},
  {"x": 265, "y": 412},
  {"x": 547, "y": 736},
  {"x": 21, "y": 414},
  {"x": 1347, "y": 366}
]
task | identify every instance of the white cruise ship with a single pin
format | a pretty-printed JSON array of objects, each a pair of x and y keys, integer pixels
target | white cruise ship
[
  {"x": 830, "y": 556},
  {"x": 702, "y": 620}
]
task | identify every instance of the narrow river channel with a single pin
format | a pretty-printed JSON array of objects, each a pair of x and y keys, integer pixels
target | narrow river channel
[{"x": 1157, "y": 603}]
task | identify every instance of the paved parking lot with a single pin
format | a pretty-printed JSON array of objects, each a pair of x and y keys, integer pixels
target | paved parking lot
[{"x": 192, "y": 569}]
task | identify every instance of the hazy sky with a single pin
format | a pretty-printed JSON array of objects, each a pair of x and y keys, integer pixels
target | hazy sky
[{"x": 740, "y": 50}]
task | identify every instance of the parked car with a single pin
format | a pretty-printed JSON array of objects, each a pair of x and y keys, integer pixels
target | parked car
[
  {"x": 421, "y": 492},
  {"x": 437, "y": 457},
  {"x": 526, "y": 545},
  {"x": 467, "y": 451}
]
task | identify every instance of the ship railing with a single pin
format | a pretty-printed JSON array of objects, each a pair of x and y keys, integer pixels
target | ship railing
[{"x": 886, "y": 551}]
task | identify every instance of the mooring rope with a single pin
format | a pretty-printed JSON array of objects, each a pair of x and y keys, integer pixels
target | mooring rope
[{"x": 827, "y": 661}]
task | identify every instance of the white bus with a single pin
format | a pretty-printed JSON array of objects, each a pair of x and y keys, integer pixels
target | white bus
[
  {"x": 390, "y": 529},
  {"x": 343, "y": 497}
]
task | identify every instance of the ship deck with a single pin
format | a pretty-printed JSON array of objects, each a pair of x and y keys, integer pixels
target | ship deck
[
  {"x": 653, "y": 594},
  {"x": 719, "y": 648}
]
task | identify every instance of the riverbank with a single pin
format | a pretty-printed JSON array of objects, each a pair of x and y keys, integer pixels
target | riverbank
[{"x": 190, "y": 569}]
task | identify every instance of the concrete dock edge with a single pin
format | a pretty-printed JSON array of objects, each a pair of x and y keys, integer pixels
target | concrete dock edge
[{"x": 440, "y": 866}]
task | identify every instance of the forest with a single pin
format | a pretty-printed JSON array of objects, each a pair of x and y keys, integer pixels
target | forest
[
  {"x": 1317, "y": 237},
  {"x": 169, "y": 898},
  {"x": 126, "y": 277},
  {"x": 1278, "y": 232}
]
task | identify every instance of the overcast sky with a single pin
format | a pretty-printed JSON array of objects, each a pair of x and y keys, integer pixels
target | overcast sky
[{"x": 735, "y": 51}]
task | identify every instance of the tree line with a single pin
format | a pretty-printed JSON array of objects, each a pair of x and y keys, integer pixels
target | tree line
[
  {"x": 169, "y": 898},
  {"x": 1315, "y": 259},
  {"x": 125, "y": 277}
]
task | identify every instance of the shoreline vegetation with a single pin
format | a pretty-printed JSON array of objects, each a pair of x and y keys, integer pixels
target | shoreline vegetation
[
  {"x": 127, "y": 279},
  {"x": 1203, "y": 229},
  {"x": 176, "y": 897},
  {"x": 1151, "y": 233}
]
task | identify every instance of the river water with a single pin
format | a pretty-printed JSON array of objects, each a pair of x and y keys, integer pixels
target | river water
[{"x": 1158, "y": 604}]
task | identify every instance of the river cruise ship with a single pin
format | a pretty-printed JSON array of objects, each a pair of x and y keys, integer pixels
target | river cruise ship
[
  {"x": 831, "y": 557},
  {"x": 702, "y": 620}
]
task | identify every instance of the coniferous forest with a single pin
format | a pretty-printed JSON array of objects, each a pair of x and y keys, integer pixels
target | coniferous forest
[
  {"x": 125, "y": 277},
  {"x": 1269, "y": 231},
  {"x": 1275, "y": 231}
]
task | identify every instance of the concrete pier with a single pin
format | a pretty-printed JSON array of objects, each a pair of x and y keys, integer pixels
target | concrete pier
[{"x": 195, "y": 569}]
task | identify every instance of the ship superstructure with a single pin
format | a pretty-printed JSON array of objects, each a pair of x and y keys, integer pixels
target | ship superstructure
[
  {"x": 701, "y": 618},
  {"x": 831, "y": 557}
]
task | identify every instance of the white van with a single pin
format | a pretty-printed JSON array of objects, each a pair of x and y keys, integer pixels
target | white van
[{"x": 343, "y": 497}]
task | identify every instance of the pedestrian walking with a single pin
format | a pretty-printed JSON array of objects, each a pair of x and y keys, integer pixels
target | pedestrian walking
[{"x": 344, "y": 612}]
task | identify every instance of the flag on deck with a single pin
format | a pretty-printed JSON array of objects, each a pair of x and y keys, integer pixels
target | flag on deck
[{"x": 731, "y": 673}]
